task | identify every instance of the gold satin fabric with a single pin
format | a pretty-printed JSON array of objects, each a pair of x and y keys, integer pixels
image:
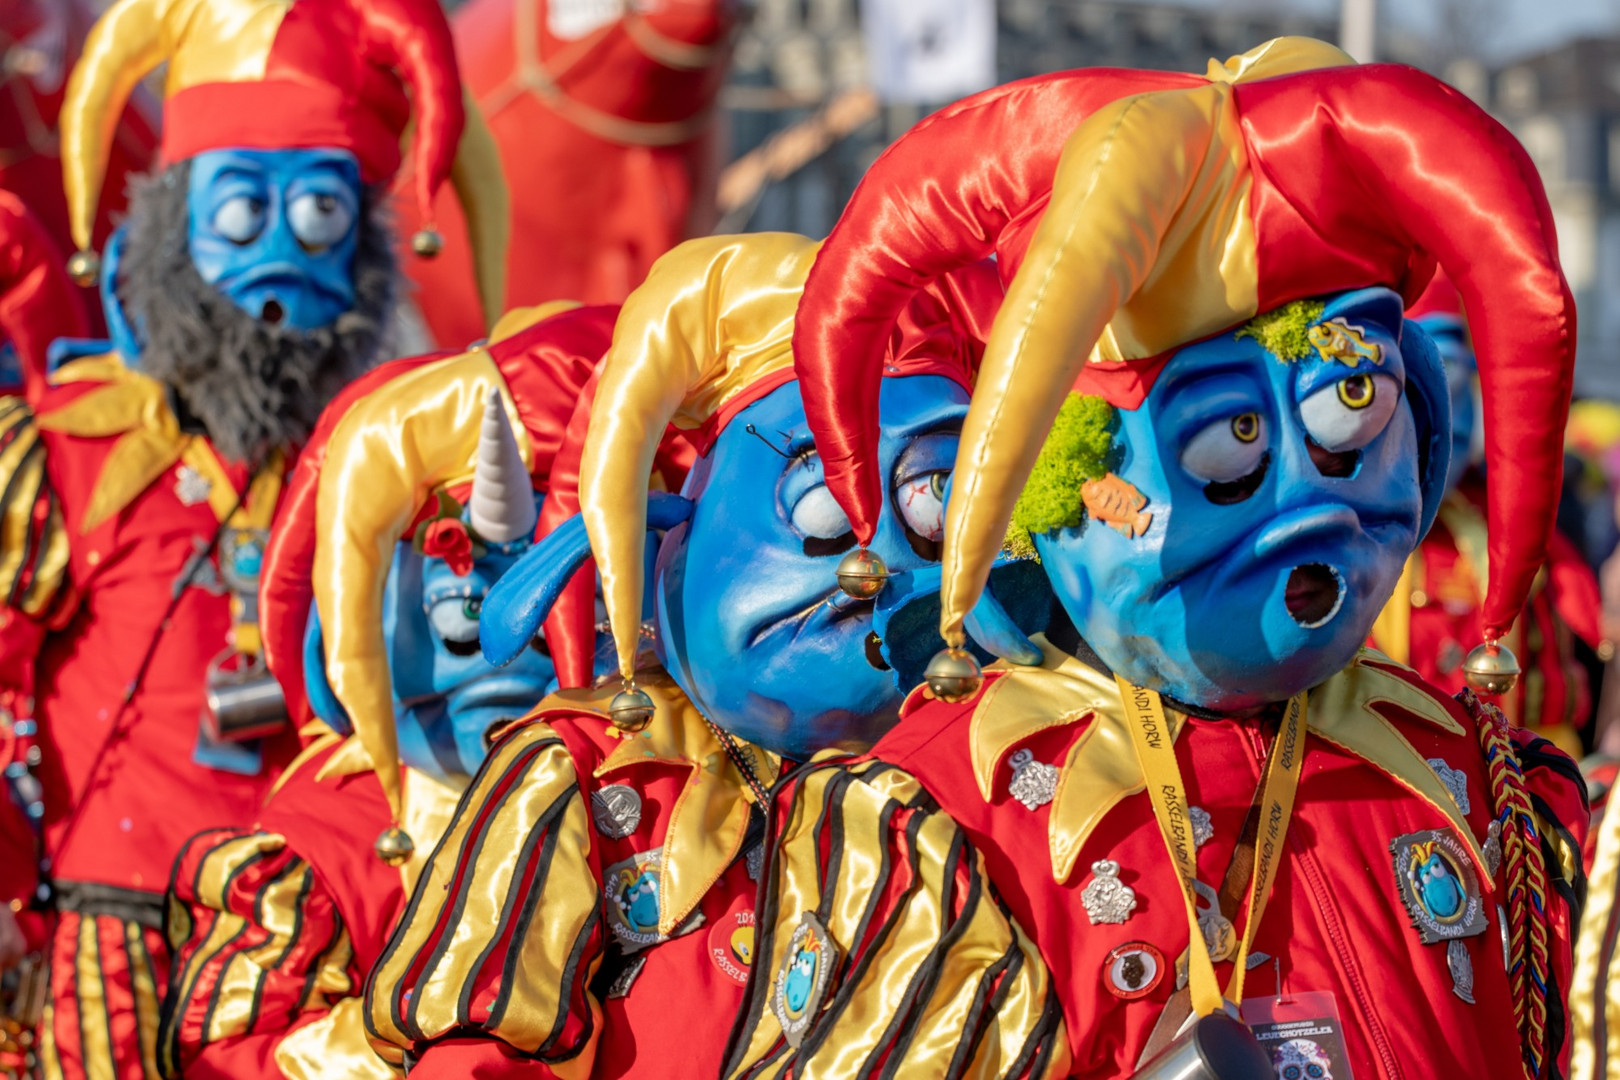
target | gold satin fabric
[
  {"x": 230, "y": 42},
  {"x": 911, "y": 937},
  {"x": 334, "y": 1045},
  {"x": 1101, "y": 768},
  {"x": 714, "y": 316},
  {"x": 538, "y": 997},
  {"x": 38, "y": 548},
  {"x": 1147, "y": 243},
  {"x": 385, "y": 457}
]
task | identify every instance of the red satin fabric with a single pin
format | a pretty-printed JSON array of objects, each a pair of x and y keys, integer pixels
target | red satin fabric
[
  {"x": 331, "y": 80},
  {"x": 589, "y": 214},
  {"x": 968, "y": 182},
  {"x": 38, "y": 304},
  {"x": 30, "y": 166},
  {"x": 1366, "y": 175}
]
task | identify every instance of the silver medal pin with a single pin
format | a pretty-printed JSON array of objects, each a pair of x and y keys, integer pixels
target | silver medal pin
[
  {"x": 1203, "y": 827},
  {"x": 1456, "y": 782},
  {"x": 1034, "y": 783},
  {"x": 1106, "y": 898},
  {"x": 616, "y": 810}
]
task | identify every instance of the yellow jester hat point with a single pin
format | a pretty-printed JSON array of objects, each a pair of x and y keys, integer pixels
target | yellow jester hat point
[
  {"x": 713, "y": 319},
  {"x": 427, "y": 429}
]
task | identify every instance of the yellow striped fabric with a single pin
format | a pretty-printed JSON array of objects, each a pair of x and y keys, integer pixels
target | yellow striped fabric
[{"x": 33, "y": 543}]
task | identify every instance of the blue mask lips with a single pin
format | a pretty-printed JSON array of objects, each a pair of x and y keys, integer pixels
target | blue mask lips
[{"x": 276, "y": 231}]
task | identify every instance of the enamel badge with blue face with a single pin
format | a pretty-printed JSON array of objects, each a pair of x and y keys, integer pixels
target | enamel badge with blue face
[
  {"x": 802, "y": 980},
  {"x": 630, "y": 890},
  {"x": 1435, "y": 877}
]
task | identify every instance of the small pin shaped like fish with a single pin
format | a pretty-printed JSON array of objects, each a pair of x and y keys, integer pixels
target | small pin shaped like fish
[
  {"x": 1117, "y": 504},
  {"x": 1338, "y": 340}
]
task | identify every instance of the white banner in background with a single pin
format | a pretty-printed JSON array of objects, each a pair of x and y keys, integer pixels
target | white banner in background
[{"x": 927, "y": 52}]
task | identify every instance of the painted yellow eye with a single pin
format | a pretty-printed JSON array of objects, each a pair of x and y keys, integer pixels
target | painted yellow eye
[
  {"x": 1358, "y": 391},
  {"x": 1246, "y": 428}
]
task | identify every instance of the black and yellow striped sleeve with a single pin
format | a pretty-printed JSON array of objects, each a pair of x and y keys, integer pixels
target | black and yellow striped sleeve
[
  {"x": 503, "y": 932},
  {"x": 258, "y": 943},
  {"x": 33, "y": 541},
  {"x": 928, "y": 975}
]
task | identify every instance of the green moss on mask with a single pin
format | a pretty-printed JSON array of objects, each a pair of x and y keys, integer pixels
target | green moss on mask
[
  {"x": 1285, "y": 332},
  {"x": 1077, "y": 449}
]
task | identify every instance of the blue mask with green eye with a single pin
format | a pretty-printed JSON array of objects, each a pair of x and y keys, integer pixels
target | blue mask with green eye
[
  {"x": 1286, "y": 494},
  {"x": 447, "y": 697},
  {"x": 276, "y": 231}
]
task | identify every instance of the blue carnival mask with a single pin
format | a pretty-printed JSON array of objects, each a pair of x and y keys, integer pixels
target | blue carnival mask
[
  {"x": 1285, "y": 498},
  {"x": 750, "y": 621},
  {"x": 1450, "y": 337},
  {"x": 447, "y": 697},
  {"x": 276, "y": 231}
]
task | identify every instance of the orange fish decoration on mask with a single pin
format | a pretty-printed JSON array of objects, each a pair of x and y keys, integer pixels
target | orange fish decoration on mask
[{"x": 1117, "y": 504}]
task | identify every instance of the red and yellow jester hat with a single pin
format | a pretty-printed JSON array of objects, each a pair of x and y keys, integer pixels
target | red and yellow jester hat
[
  {"x": 1143, "y": 223},
  {"x": 286, "y": 74},
  {"x": 709, "y": 333},
  {"x": 418, "y": 428}
]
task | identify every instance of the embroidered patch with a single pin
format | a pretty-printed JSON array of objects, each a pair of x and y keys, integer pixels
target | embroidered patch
[
  {"x": 731, "y": 945},
  {"x": 802, "y": 981},
  {"x": 1435, "y": 878},
  {"x": 241, "y": 558},
  {"x": 1133, "y": 970},
  {"x": 1456, "y": 782}
]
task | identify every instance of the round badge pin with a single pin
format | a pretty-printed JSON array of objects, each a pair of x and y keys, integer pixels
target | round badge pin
[
  {"x": 731, "y": 944},
  {"x": 1133, "y": 970}
]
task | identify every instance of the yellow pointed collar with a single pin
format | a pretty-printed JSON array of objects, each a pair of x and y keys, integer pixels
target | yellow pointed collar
[
  {"x": 710, "y": 817},
  {"x": 131, "y": 406},
  {"x": 1101, "y": 768}
]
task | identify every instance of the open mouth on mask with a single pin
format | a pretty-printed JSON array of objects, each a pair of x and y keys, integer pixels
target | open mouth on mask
[
  {"x": 273, "y": 312},
  {"x": 1314, "y": 594}
]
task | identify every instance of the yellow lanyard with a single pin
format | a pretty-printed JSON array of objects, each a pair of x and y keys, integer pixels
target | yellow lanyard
[{"x": 1156, "y": 751}]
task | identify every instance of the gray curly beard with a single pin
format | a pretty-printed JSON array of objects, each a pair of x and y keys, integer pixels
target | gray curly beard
[{"x": 252, "y": 386}]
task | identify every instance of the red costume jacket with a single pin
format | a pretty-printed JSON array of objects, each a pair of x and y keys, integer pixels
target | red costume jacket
[
  {"x": 105, "y": 500},
  {"x": 1434, "y": 619},
  {"x": 275, "y": 927},
  {"x": 606, "y": 130},
  {"x": 589, "y": 912},
  {"x": 1386, "y": 757}
]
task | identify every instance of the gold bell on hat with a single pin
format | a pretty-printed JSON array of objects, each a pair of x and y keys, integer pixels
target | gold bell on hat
[
  {"x": 1491, "y": 668},
  {"x": 84, "y": 267},
  {"x": 862, "y": 574},
  {"x": 427, "y": 242},
  {"x": 394, "y": 846},
  {"x": 953, "y": 675},
  {"x": 631, "y": 709}
]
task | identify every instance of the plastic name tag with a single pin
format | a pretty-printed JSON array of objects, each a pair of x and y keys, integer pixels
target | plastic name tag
[{"x": 1302, "y": 1033}]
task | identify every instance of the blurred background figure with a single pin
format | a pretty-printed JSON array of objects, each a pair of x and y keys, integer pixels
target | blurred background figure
[
  {"x": 604, "y": 111},
  {"x": 40, "y": 41}
]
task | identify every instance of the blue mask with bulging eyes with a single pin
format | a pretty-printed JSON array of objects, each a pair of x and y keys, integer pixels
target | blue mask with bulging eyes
[
  {"x": 447, "y": 697},
  {"x": 276, "y": 231},
  {"x": 1285, "y": 498},
  {"x": 751, "y": 622}
]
